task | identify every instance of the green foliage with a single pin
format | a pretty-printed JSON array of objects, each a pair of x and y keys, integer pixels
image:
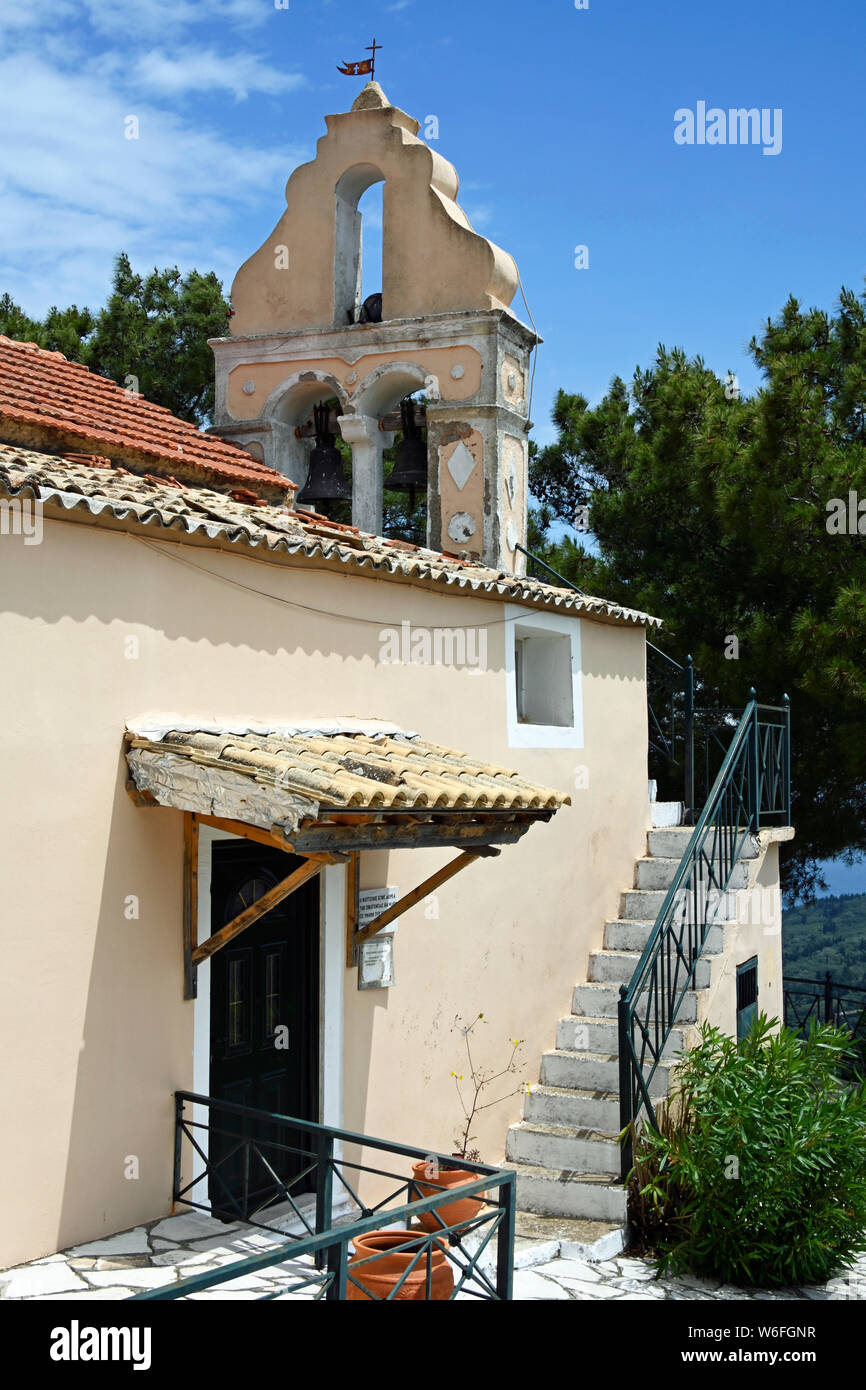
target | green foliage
[
  {"x": 712, "y": 513},
  {"x": 757, "y": 1174},
  {"x": 154, "y": 328},
  {"x": 828, "y": 934},
  {"x": 62, "y": 330}
]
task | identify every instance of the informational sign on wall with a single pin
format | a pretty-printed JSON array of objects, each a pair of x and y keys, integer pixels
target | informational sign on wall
[
  {"x": 372, "y": 901},
  {"x": 376, "y": 955},
  {"x": 376, "y": 964}
]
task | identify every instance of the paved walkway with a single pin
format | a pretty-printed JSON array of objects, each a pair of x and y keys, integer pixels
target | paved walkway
[
  {"x": 635, "y": 1279},
  {"x": 154, "y": 1256},
  {"x": 161, "y": 1252}
]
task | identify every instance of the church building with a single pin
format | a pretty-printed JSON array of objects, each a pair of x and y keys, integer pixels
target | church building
[{"x": 300, "y": 766}]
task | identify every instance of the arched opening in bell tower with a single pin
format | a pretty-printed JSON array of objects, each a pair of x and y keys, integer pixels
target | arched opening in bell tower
[
  {"x": 395, "y": 396},
  {"x": 312, "y": 453},
  {"x": 353, "y": 266}
]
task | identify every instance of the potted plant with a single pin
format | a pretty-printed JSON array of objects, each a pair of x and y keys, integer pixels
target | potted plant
[
  {"x": 380, "y": 1275},
  {"x": 430, "y": 1174}
]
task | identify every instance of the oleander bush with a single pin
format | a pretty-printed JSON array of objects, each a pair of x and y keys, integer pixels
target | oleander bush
[{"x": 755, "y": 1172}]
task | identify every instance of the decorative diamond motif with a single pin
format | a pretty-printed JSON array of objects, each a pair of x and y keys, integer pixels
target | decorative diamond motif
[{"x": 460, "y": 466}]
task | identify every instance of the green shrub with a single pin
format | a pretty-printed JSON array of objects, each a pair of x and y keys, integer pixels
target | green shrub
[{"x": 756, "y": 1171}]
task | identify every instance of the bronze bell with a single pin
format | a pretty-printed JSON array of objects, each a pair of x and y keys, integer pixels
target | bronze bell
[
  {"x": 410, "y": 466},
  {"x": 326, "y": 480}
]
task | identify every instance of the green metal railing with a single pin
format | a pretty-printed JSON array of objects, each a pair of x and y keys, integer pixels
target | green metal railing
[
  {"x": 480, "y": 1250},
  {"x": 826, "y": 1000},
  {"x": 752, "y": 789}
]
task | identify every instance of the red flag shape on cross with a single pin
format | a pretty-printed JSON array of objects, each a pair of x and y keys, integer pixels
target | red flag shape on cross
[{"x": 356, "y": 69}]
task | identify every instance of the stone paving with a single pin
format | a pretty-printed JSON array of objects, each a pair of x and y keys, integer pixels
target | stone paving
[
  {"x": 161, "y": 1252},
  {"x": 156, "y": 1255},
  {"x": 632, "y": 1278}
]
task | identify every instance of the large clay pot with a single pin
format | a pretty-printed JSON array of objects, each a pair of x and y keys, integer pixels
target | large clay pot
[
  {"x": 380, "y": 1276},
  {"x": 457, "y": 1213}
]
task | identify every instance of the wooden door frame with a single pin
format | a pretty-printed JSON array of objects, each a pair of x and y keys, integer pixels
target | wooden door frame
[{"x": 332, "y": 918}]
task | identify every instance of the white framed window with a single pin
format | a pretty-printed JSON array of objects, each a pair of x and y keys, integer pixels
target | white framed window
[{"x": 544, "y": 698}]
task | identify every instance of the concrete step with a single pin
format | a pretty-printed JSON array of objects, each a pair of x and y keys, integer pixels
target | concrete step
[
  {"x": 634, "y": 935},
  {"x": 638, "y": 904},
  {"x": 671, "y": 843},
  {"x": 665, "y": 813},
  {"x": 564, "y": 1192},
  {"x": 602, "y": 1035},
  {"x": 601, "y": 1000},
  {"x": 655, "y": 873},
  {"x": 618, "y": 967},
  {"x": 562, "y": 1105},
  {"x": 592, "y": 1071},
  {"x": 539, "y": 1239},
  {"x": 558, "y": 1146}
]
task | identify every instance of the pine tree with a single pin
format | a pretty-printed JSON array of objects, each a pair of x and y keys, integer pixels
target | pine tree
[{"x": 712, "y": 510}]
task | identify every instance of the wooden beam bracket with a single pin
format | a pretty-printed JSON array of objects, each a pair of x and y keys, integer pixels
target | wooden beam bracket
[
  {"x": 355, "y": 937},
  {"x": 190, "y": 903},
  {"x": 251, "y": 914}
]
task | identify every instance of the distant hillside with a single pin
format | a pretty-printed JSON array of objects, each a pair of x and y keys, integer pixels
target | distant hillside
[{"x": 829, "y": 934}]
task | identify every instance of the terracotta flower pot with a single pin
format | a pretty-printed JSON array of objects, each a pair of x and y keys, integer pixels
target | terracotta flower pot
[
  {"x": 457, "y": 1213},
  {"x": 381, "y": 1275}
]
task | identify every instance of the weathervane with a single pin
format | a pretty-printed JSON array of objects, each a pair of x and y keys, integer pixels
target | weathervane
[{"x": 367, "y": 65}]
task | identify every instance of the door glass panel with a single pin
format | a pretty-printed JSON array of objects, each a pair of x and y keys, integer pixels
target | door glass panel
[
  {"x": 273, "y": 963},
  {"x": 248, "y": 893},
  {"x": 237, "y": 1001}
]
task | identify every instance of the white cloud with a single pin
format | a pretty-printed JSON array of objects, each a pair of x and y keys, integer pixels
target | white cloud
[
  {"x": 203, "y": 70},
  {"x": 479, "y": 216},
  {"x": 134, "y": 19},
  {"x": 74, "y": 191}
]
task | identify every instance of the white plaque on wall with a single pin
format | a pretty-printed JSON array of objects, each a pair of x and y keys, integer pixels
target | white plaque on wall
[
  {"x": 372, "y": 901},
  {"x": 376, "y": 963}
]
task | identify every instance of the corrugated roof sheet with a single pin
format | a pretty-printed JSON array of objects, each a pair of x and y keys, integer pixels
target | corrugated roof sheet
[
  {"x": 163, "y": 505},
  {"x": 65, "y": 400}
]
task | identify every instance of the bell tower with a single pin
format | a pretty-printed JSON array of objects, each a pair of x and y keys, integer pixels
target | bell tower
[{"x": 300, "y": 337}]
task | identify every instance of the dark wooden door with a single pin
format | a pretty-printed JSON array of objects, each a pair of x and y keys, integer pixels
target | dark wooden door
[{"x": 264, "y": 1026}]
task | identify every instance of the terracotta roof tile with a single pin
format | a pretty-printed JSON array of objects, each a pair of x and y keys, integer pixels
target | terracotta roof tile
[
  {"x": 335, "y": 772},
  {"x": 158, "y": 505},
  {"x": 56, "y": 397}
]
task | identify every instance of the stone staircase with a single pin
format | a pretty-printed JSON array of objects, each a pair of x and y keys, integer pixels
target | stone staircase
[{"x": 565, "y": 1150}]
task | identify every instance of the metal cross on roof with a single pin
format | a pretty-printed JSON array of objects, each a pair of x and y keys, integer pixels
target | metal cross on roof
[{"x": 374, "y": 48}]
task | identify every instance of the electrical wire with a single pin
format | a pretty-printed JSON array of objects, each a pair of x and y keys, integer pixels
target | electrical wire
[{"x": 304, "y": 607}]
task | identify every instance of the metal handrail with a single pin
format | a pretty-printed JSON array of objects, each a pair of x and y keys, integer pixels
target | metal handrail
[
  {"x": 537, "y": 560},
  {"x": 320, "y": 1149},
  {"x": 752, "y": 784},
  {"x": 839, "y": 1000}
]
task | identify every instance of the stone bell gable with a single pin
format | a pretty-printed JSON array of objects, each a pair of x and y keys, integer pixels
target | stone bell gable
[
  {"x": 432, "y": 260},
  {"x": 299, "y": 338}
]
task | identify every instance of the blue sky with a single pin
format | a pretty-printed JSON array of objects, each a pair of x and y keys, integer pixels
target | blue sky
[{"x": 560, "y": 123}]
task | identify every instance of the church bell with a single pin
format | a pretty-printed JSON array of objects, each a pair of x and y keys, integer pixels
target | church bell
[
  {"x": 326, "y": 480},
  {"x": 410, "y": 466}
]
